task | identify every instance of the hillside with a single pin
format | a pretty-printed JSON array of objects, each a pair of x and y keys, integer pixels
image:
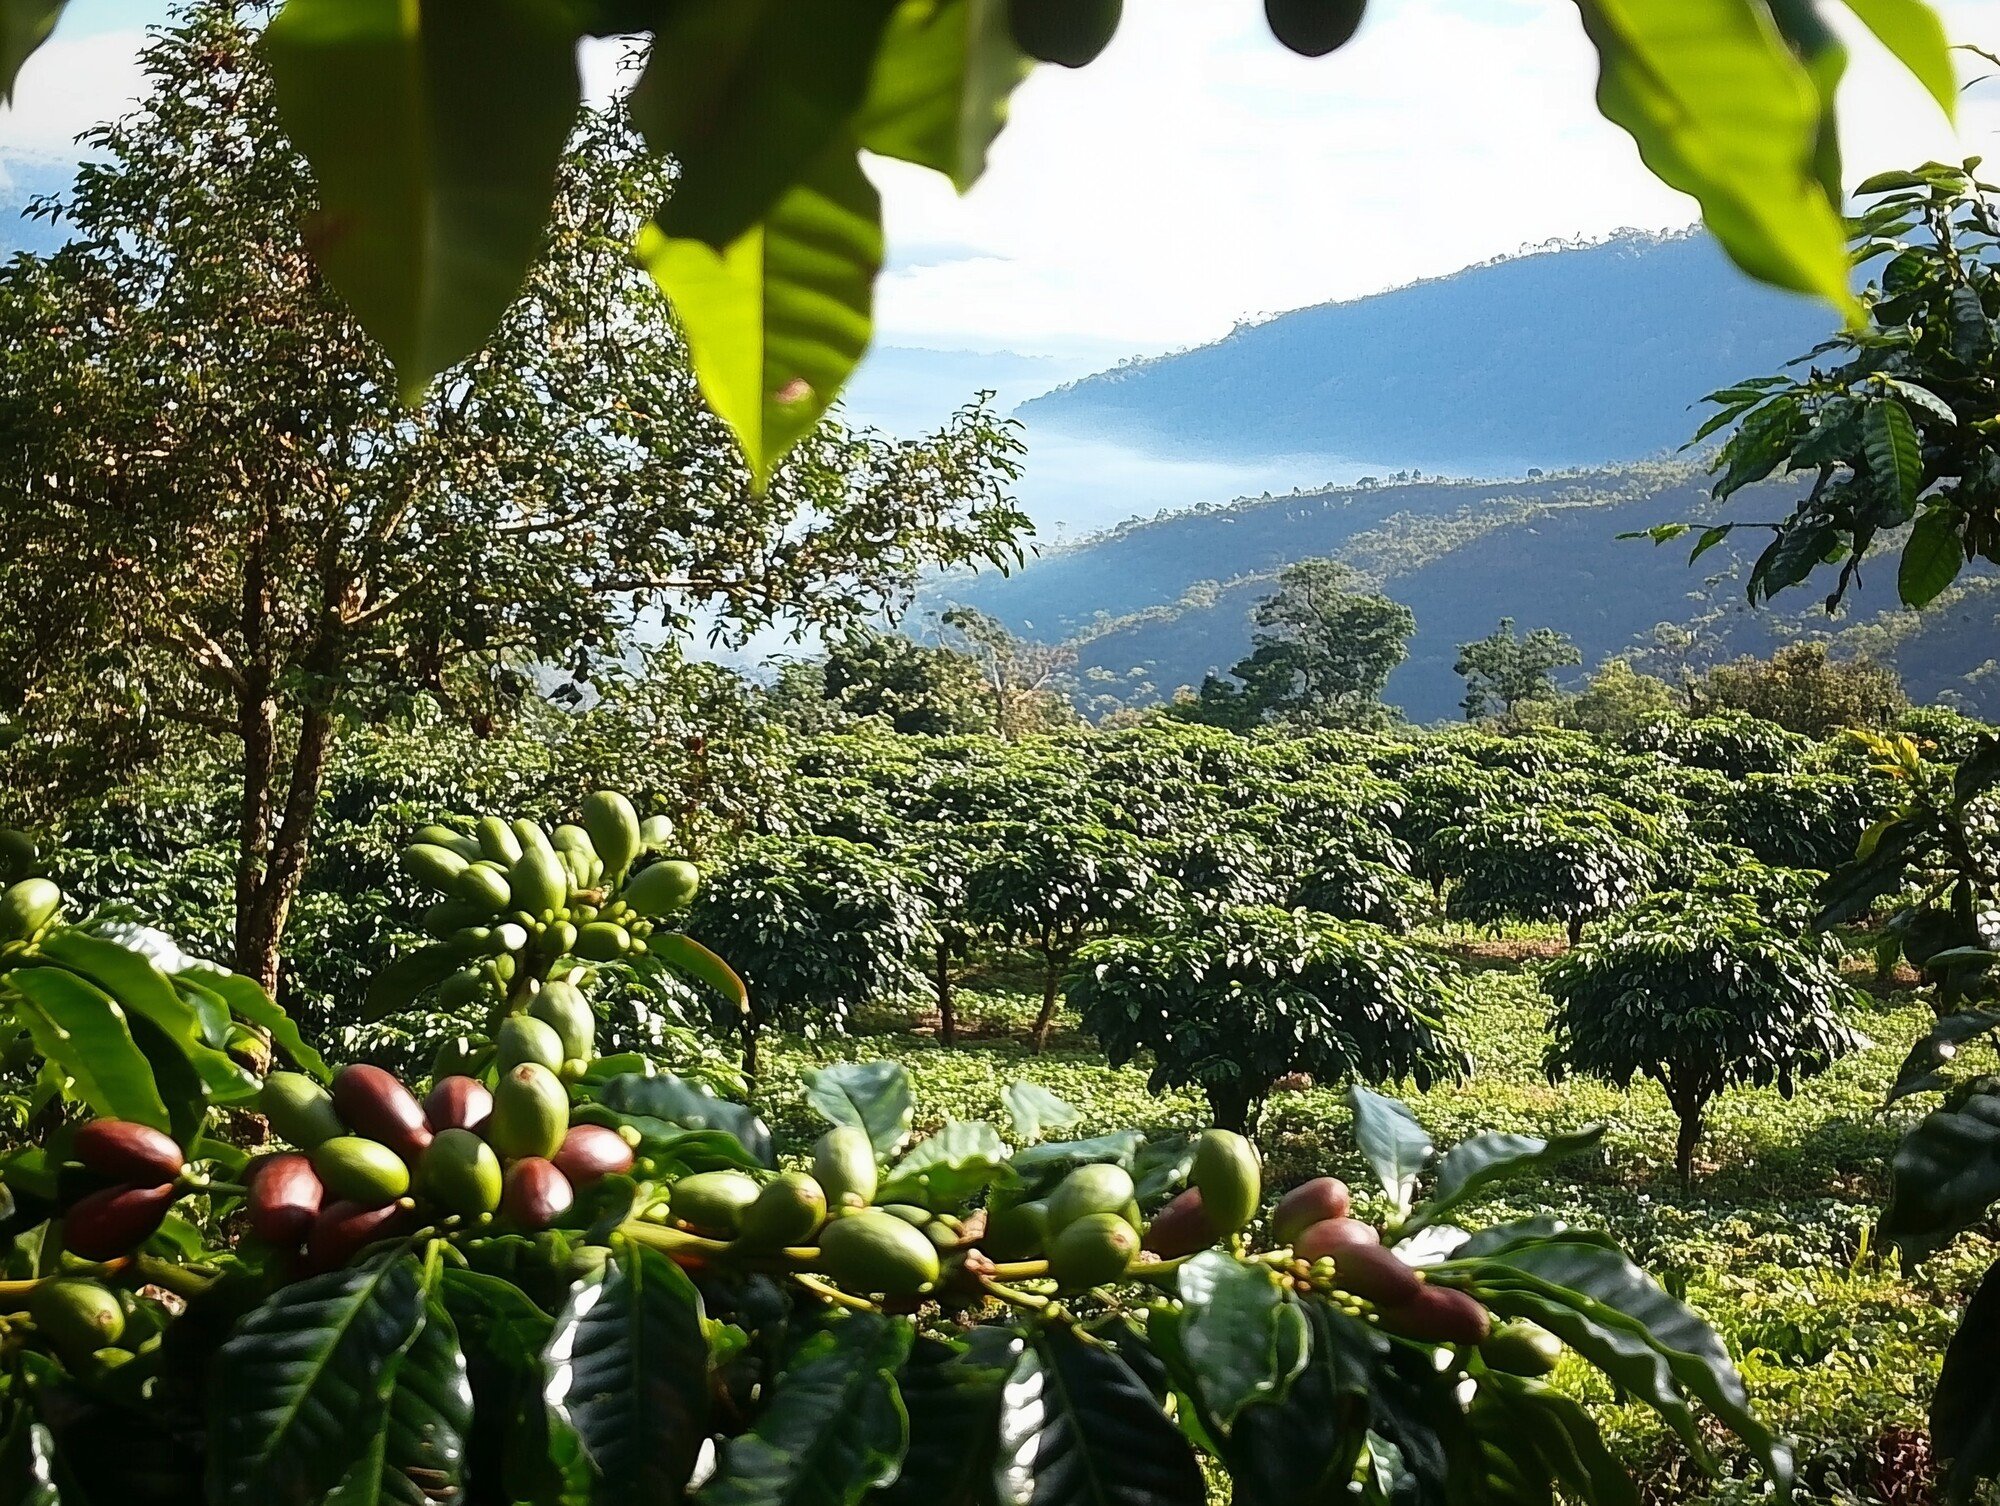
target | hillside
[
  {"x": 1572, "y": 357},
  {"x": 1155, "y": 606}
]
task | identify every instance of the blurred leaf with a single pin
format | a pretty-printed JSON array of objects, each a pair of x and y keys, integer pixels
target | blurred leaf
[
  {"x": 1722, "y": 110},
  {"x": 946, "y": 1169},
  {"x": 1944, "y": 1175},
  {"x": 686, "y": 955},
  {"x": 777, "y": 318},
  {"x": 434, "y": 128},
  {"x": 1965, "y": 1407},
  {"x": 1913, "y": 31},
  {"x": 1395, "y": 1146},
  {"x": 24, "y": 26},
  {"x": 745, "y": 95},
  {"x": 1033, "y": 1111},
  {"x": 941, "y": 85}
]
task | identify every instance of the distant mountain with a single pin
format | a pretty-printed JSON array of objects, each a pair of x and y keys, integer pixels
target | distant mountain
[
  {"x": 1152, "y": 607},
  {"x": 1572, "y": 357}
]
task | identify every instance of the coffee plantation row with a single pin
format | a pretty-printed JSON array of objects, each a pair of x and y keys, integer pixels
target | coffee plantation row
[
  {"x": 524, "y": 1252},
  {"x": 562, "y": 1276}
]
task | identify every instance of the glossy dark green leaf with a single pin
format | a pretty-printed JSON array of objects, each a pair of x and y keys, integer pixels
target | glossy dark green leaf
[
  {"x": 940, "y": 90},
  {"x": 1528, "y": 1427},
  {"x": 951, "y": 1390},
  {"x": 674, "y": 1100},
  {"x": 1965, "y": 1407},
  {"x": 1079, "y": 1428},
  {"x": 1604, "y": 1286},
  {"x": 1241, "y": 1334},
  {"x": 628, "y": 1373},
  {"x": 1484, "y": 1160},
  {"x": 1722, "y": 109},
  {"x": 1931, "y": 559},
  {"x": 434, "y": 128},
  {"x": 833, "y": 1427},
  {"x": 513, "y": 1437},
  {"x": 302, "y": 1387},
  {"x": 872, "y": 1096},
  {"x": 1395, "y": 1146},
  {"x": 249, "y": 1003},
  {"x": 1300, "y": 1449},
  {"x": 777, "y": 319},
  {"x": 81, "y": 1029},
  {"x": 141, "y": 989},
  {"x": 24, "y": 26},
  {"x": 1895, "y": 453},
  {"x": 430, "y": 1418},
  {"x": 746, "y": 95},
  {"x": 947, "y": 1168},
  {"x": 1944, "y": 1175}
]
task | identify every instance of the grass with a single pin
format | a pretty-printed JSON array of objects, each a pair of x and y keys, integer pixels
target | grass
[{"x": 1772, "y": 1243}]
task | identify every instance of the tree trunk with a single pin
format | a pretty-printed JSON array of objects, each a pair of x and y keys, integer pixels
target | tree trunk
[
  {"x": 1051, "y": 976},
  {"x": 1575, "y": 929},
  {"x": 260, "y": 925},
  {"x": 1231, "y": 1106},
  {"x": 1690, "y": 1101},
  {"x": 748, "y": 1032},
  {"x": 947, "y": 1009},
  {"x": 1686, "y": 1145}
]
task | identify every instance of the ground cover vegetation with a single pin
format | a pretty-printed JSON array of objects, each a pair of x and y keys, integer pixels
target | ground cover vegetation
[{"x": 1279, "y": 924}]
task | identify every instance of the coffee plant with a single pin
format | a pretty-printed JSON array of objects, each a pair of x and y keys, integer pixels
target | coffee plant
[
  {"x": 549, "y": 1276},
  {"x": 1699, "y": 994},
  {"x": 1540, "y": 864},
  {"x": 1252, "y": 994}
]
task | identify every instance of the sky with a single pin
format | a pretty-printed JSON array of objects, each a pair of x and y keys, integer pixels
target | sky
[{"x": 1196, "y": 175}]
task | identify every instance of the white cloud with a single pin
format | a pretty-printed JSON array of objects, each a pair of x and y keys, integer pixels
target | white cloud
[
  {"x": 1197, "y": 173},
  {"x": 70, "y": 84}
]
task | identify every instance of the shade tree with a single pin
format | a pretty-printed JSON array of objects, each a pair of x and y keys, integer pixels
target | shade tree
[
  {"x": 1505, "y": 670},
  {"x": 222, "y": 515}
]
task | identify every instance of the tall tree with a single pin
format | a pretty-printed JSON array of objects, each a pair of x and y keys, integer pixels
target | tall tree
[
  {"x": 1024, "y": 680},
  {"x": 1323, "y": 651},
  {"x": 1505, "y": 668},
  {"x": 217, "y": 510}
]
